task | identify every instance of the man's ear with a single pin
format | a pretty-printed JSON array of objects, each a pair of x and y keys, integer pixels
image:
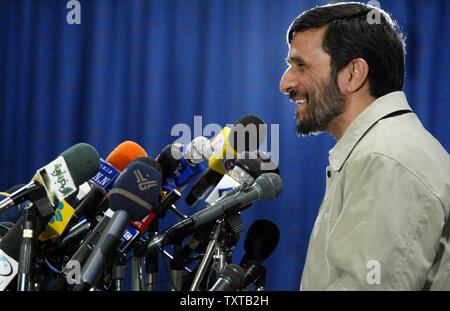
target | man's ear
[{"x": 354, "y": 76}]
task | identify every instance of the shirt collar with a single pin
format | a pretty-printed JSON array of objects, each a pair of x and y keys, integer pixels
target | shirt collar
[{"x": 380, "y": 108}]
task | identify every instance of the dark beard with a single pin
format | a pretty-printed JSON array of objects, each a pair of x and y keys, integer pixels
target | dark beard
[{"x": 324, "y": 103}]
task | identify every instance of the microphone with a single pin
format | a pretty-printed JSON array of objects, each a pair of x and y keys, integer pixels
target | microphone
[
  {"x": 168, "y": 158},
  {"x": 261, "y": 240},
  {"x": 230, "y": 278},
  {"x": 247, "y": 134},
  {"x": 124, "y": 154},
  {"x": 180, "y": 164},
  {"x": 60, "y": 178},
  {"x": 266, "y": 187},
  {"x": 133, "y": 196},
  {"x": 12, "y": 214},
  {"x": 191, "y": 162},
  {"x": 58, "y": 222}
]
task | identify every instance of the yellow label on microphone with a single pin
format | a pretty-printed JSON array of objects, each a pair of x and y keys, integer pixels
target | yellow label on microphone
[
  {"x": 58, "y": 222},
  {"x": 223, "y": 152}
]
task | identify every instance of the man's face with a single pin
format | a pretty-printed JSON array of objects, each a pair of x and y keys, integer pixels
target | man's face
[{"x": 309, "y": 83}]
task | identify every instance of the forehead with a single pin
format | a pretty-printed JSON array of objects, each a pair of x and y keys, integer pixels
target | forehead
[{"x": 308, "y": 45}]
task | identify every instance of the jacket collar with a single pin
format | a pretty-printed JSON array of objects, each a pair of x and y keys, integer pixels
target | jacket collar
[{"x": 377, "y": 110}]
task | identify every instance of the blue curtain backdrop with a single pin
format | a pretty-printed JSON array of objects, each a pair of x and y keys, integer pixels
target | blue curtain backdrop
[{"x": 135, "y": 68}]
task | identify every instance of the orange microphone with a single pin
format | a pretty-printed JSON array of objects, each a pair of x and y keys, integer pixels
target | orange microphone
[{"x": 124, "y": 154}]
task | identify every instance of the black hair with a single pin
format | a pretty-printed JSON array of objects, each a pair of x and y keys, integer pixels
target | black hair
[{"x": 356, "y": 30}]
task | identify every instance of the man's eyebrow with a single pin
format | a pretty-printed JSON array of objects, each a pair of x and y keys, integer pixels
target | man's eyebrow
[{"x": 295, "y": 59}]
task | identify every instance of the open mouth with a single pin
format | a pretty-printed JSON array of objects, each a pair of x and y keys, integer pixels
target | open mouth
[{"x": 300, "y": 102}]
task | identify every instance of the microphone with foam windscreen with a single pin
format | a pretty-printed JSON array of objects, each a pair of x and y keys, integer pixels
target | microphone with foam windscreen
[
  {"x": 124, "y": 154},
  {"x": 60, "y": 178},
  {"x": 247, "y": 134},
  {"x": 134, "y": 194},
  {"x": 169, "y": 158},
  {"x": 261, "y": 240},
  {"x": 138, "y": 227}
]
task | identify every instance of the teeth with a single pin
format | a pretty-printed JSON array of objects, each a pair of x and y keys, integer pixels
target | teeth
[{"x": 300, "y": 101}]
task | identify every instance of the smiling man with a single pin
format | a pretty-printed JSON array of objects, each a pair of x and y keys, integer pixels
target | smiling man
[{"x": 382, "y": 223}]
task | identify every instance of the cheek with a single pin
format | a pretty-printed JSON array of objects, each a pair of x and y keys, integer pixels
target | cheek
[{"x": 342, "y": 80}]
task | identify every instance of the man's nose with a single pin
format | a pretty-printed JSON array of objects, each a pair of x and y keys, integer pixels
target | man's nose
[{"x": 288, "y": 82}]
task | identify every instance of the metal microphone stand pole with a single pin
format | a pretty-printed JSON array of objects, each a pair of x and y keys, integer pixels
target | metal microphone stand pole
[
  {"x": 151, "y": 261},
  {"x": 119, "y": 271},
  {"x": 210, "y": 249},
  {"x": 137, "y": 267},
  {"x": 176, "y": 269},
  {"x": 36, "y": 217},
  {"x": 137, "y": 272},
  {"x": 26, "y": 249}
]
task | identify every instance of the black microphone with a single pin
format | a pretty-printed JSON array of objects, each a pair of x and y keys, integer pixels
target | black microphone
[
  {"x": 266, "y": 187},
  {"x": 261, "y": 240},
  {"x": 134, "y": 194},
  {"x": 168, "y": 158},
  {"x": 230, "y": 278},
  {"x": 247, "y": 134},
  {"x": 60, "y": 178}
]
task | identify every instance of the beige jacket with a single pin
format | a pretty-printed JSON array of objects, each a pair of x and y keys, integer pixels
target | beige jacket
[{"x": 387, "y": 198}]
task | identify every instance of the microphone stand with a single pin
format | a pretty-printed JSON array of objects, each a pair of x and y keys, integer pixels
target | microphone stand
[
  {"x": 137, "y": 267},
  {"x": 261, "y": 282},
  {"x": 137, "y": 273},
  {"x": 176, "y": 269},
  {"x": 151, "y": 260},
  {"x": 210, "y": 249},
  {"x": 119, "y": 271},
  {"x": 26, "y": 250},
  {"x": 229, "y": 237},
  {"x": 36, "y": 217}
]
